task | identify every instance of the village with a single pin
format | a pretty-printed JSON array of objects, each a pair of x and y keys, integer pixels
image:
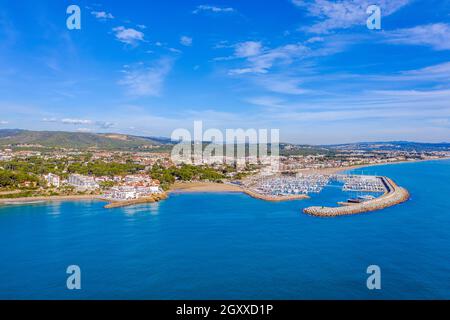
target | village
[
  {"x": 125, "y": 188},
  {"x": 30, "y": 171}
]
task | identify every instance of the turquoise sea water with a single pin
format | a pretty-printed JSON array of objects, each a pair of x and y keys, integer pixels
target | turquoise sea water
[{"x": 220, "y": 246}]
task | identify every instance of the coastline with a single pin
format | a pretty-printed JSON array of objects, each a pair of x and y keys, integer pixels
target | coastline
[
  {"x": 203, "y": 187},
  {"x": 49, "y": 199},
  {"x": 211, "y": 187},
  {"x": 360, "y": 166}
]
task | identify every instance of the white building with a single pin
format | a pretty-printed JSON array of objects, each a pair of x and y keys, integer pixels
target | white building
[
  {"x": 52, "y": 180},
  {"x": 123, "y": 193},
  {"x": 83, "y": 182}
]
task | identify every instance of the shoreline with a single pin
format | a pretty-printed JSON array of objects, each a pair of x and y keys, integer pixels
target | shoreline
[
  {"x": 204, "y": 187},
  {"x": 360, "y": 166},
  {"x": 210, "y": 187},
  {"x": 49, "y": 199}
]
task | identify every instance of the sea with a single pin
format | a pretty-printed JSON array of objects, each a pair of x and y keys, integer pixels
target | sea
[{"x": 231, "y": 246}]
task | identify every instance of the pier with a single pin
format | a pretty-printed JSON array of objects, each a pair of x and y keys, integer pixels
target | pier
[
  {"x": 150, "y": 199},
  {"x": 393, "y": 195}
]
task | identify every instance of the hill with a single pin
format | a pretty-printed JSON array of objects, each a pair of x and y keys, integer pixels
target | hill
[{"x": 76, "y": 140}]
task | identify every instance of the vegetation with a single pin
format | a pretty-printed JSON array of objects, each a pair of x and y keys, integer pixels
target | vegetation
[
  {"x": 75, "y": 140},
  {"x": 10, "y": 179},
  {"x": 100, "y": 168},
  {"x": 168, "y": 176}
]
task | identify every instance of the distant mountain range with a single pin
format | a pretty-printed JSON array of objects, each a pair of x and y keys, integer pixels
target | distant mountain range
[
  {"x": 114, "y": 141},
  {"x": 78, "y": 140},
  {"x": 392, "y": 146}
]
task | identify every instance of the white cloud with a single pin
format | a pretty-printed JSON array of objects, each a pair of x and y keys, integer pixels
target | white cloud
[
  {"x": 436, "y": 73},
  {"x": 84, "y": 130},
  {"x": 76, "y": 121},
  {"x": 344, "y": 14},
  {"x": 247, "y": 49},
  {"x": 266, "y": 101},
  {"x": 72, "y": 121},
  {"x": 315, "y": 39},
  {"x": 265, "y": 60},
  {"x": 281, "y": 84},
  {"x": 49, "y": 120},
  {"x": 174, "y": 50},
  {"x": 104, "y": 124},
  {"x": 186, "y": 41},
  {"x": 435, "y": 35},
  {"x": 102, "y": 15},
  {"x": 440, "y": 122},
  {"x": 146, "y": 81},
  {"x": 128, "y": 35},
  {"x": 3, "y": 122},
  {"x": 213, "y": 9}
]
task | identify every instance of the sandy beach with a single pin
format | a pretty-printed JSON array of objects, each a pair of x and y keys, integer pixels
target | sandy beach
[
  {"x": 180, "y": 187},
  {"x": 223, "y": 187},
  {"x": 50, "y": 198}
]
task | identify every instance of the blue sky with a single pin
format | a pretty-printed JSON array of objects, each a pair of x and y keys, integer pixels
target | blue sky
[{"x": 309, "y": 68}]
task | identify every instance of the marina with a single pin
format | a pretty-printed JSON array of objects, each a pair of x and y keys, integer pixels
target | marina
[
  {"x": 394, "y": 195},
  {"x": 372, "y": 192},
  {"x": 313, "y": 183},
  {"x": 288, "y": 185}
]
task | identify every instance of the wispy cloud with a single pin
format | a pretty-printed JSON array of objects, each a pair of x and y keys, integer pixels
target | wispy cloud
[
  {"x": 435, "y": 35},
  {"x": 104, "y": 124},
  {"x": 76, "y": 121},
  {"x": 248, "y": 49},
  {"x": 212, "y": 9},
  {"x": 281, "y": 84},
  {"x": 439, "y": 73},
  {"x": 343, "y": 14},
  {"x": 102, "y": 15},
  {"x": 146, "y": 81},
  {"x": 377, "y": 104},
  {"x": 3, "y": 122},
  {"x": 128, "y": 35},
  {"x": 186, "y": 41},
  {"x": 49, "y": 120},
  {"x": 85, "y": 130},
  {"x": 262, "y": 61}
]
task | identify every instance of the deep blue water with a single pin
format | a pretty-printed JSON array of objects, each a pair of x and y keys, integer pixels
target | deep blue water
[{"x": 219, "y": 246}]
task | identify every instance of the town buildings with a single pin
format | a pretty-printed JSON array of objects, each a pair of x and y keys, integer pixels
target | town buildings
[
  {"x": 52, "y": 180},
  {"x": 82, "y": 183}
]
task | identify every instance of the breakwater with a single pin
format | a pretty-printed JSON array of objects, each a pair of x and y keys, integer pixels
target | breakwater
[
  {"x": 150, "y": 199},
  {"x": 394, "y": 195}
]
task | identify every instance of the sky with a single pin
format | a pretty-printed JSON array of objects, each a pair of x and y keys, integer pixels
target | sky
[{"x": 312, "y": 68}]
